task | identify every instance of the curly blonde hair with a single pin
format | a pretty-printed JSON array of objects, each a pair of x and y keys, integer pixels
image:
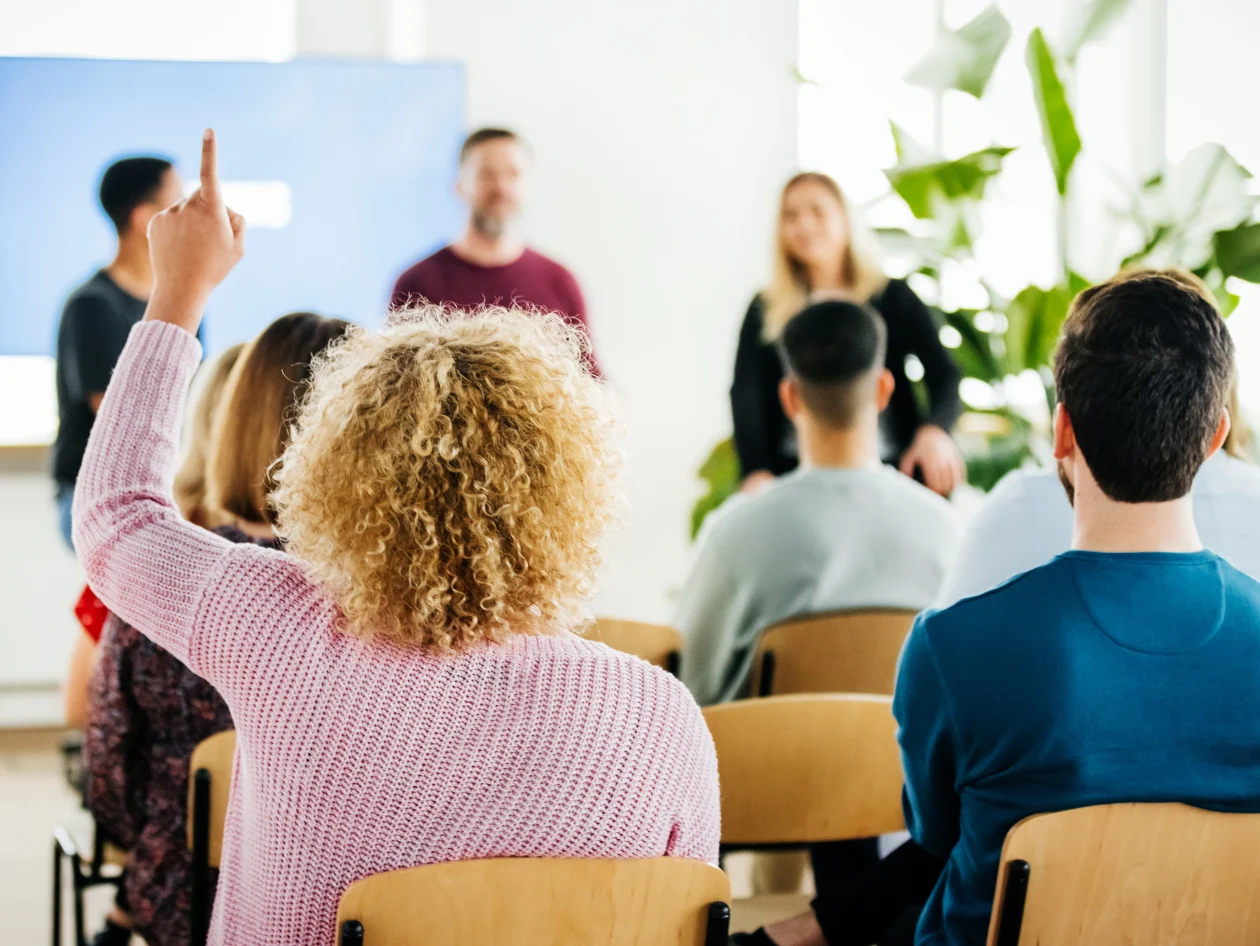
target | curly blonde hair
[{"x": 450, "y": 477}]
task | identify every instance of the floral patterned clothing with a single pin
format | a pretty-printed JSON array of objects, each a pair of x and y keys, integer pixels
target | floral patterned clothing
[{"x": 148, "y": 712}]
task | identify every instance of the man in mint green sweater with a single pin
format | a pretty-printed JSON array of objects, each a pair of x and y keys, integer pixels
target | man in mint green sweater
[{"x": 842, "y": 531}]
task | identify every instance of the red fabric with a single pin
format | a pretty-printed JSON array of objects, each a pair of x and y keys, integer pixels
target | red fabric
[
  {"x": 91, "y": 614},
  {"x": 446, "y": 278}
]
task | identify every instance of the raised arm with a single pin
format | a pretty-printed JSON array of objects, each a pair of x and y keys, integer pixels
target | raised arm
[{"x": 142, "y": 559}]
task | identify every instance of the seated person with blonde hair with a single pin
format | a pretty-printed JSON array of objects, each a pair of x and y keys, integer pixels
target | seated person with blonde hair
[{"x": 404, "y": 678}]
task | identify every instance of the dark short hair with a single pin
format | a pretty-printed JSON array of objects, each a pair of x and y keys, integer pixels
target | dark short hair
[
  {"x": 127, "y": 184},
  {"x": 1143, "y": 369},
  {"x": 830, "y": 348},
  {"x": 480, "y": 137}
]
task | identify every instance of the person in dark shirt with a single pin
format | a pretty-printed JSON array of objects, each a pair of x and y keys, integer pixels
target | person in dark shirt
[
  {"x": 99, "y": 314},
  {"x": 820, "y": 253},
  {"x": 489, "y": 264}
]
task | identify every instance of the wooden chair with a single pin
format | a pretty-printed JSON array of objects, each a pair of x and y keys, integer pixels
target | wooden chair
[
  {"x": 208, "y": 789},
  {"x": 655, "y": 643},
  {"x": 79, "y": 845},
  {"x": 1130, "y": 874},
  {"x": 797, "y": 770},
  {"x": 841, "y": 652},
  {"x": 666, "y": 901}
]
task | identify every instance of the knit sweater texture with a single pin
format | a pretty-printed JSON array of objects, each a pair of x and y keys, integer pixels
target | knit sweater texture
[{"x": 356, "y": 757}]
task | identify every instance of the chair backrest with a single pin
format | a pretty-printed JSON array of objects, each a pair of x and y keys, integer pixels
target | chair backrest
[
  {"x": 656, "y": 643},
  {"x": 841, "y": 652},
  {"x": 1130, "y": 874},
  {"x": 668, "y": 901},
  {"x": 808, "y": 768},
  {"x": 214, "y": 756}
]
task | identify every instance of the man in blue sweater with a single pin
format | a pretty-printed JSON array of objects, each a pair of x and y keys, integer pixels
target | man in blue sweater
[{"x": 1126, "y": 669}]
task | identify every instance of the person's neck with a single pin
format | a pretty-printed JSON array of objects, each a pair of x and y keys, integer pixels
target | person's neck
[
  {"x": 486, "y": 250},
  {"x": 1104, "y": 525},
  {"x": 825, "y": 277},
  {"x": 131, "y": 268},
  {"x": 838, "y": 448}
]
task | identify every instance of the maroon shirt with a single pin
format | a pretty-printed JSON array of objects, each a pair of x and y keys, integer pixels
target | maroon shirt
[{"x": 532, "y": 280}]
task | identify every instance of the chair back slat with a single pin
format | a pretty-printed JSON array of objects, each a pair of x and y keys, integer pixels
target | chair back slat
[
  {"x": 1133, "y": 874},
  {"x": 215, "y": 756},
  {"x": 656, "y": 643},
  {"x": 840, "y": 652},
  {"x": 807, "y": 768},
  {"x": 539, "y": 902}
]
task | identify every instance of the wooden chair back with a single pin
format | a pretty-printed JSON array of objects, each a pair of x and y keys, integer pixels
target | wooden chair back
[
  {"x": 808, "y": 768},
  {"x": 209, "y": 784},
  {"x": 666, "y": 901},
  {"x": 656, "y": 643},
  {"x": 841, "y": 652},
  {"x": 1130, "y": 874}
]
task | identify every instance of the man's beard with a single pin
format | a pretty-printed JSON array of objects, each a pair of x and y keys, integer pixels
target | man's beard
[
  {"x": 487, "y": 226},
  {"x": 1067, "y": 485}
]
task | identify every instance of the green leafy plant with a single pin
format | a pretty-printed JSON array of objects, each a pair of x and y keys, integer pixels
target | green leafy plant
[{"x": 1196, "y": 214}]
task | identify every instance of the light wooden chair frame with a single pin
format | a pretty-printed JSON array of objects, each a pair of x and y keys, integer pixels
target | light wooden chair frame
[
  {"x": 209, "y": 785},
  {"x": 1130, "y": 873},
  {"x": 852, "y": 651},
  {"x": 658, "y": 644},
  {"x": 666, "y": 901},
  {"x": 804, "y": 769}
]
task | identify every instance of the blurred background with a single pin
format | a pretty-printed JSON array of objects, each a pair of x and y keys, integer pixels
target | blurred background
[{"x": 1007, "y": 154}]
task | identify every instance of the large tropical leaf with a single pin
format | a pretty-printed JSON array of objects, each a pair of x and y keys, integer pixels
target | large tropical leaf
[
  {"x": 1184, "y": 208},
  {"x": 720, "y": 471},
  {"x": 924, "y": 186},
  {"x": 1087, "y": 21},
  {"x": 974, "y": 355},
  {"x": 1238, "y": 251},
  {"x": 964, "y": 58},
  {"x": 1034, "y": 319},
  {"x": 1058, "y": 126}
]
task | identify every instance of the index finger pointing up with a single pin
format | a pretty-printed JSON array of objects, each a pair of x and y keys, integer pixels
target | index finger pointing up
[{"x": 209, "y": 166}]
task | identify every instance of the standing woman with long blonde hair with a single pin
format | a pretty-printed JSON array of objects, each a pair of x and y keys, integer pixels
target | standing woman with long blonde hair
[{"x": 821, "y": 250}]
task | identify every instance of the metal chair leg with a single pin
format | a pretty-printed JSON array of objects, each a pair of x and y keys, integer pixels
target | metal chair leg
[
  {"x": 200, "y": 913},
  {"x": 717, "y": 929},
  {"x": 56, "y": 895},
  {"x": 1011, "y": 910}
]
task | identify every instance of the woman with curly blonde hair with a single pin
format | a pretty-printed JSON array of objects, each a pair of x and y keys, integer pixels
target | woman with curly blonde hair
[{"x": 405, "y": 680}]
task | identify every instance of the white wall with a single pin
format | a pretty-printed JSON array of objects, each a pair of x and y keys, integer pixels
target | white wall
[{"x": 662, "y": 131}]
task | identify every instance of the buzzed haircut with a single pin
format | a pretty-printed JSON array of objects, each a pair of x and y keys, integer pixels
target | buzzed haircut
[
  {"x": 129, "y": 183},
  {"x": 831, "y": 350},
  {"x": 480, "y": 137},
  {"x": 1144, "y": 369}
]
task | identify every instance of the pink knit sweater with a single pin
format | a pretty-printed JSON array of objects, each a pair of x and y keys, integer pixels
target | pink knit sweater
[{"x": 356, "y": 758}]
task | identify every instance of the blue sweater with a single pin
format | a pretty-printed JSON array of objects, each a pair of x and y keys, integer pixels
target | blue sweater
[{"x": 1096, "y": 678}]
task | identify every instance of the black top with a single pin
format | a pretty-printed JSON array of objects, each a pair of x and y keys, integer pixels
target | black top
[
  {"x": 764, "y": 437},
  {"x": 94, "y": 327}
]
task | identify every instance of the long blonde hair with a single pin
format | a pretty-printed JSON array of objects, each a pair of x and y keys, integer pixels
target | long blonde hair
[
  {"x": 788, "y": 291},
  {"x": 190, "y": 480}
]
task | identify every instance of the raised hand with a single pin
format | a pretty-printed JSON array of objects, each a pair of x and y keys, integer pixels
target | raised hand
[{"x": 193, "y": 245}]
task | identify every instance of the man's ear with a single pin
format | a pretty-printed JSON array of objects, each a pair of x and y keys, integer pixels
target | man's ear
[
  {"x": 1222, "y": 433},
  {"x": 790, "y": 398},
  {"x": 885, "y": 384},
  {"x": 1064, "y": 435}
]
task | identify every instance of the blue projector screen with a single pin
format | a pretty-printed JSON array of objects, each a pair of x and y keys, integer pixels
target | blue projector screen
[{"x": 344, "y": 171}]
